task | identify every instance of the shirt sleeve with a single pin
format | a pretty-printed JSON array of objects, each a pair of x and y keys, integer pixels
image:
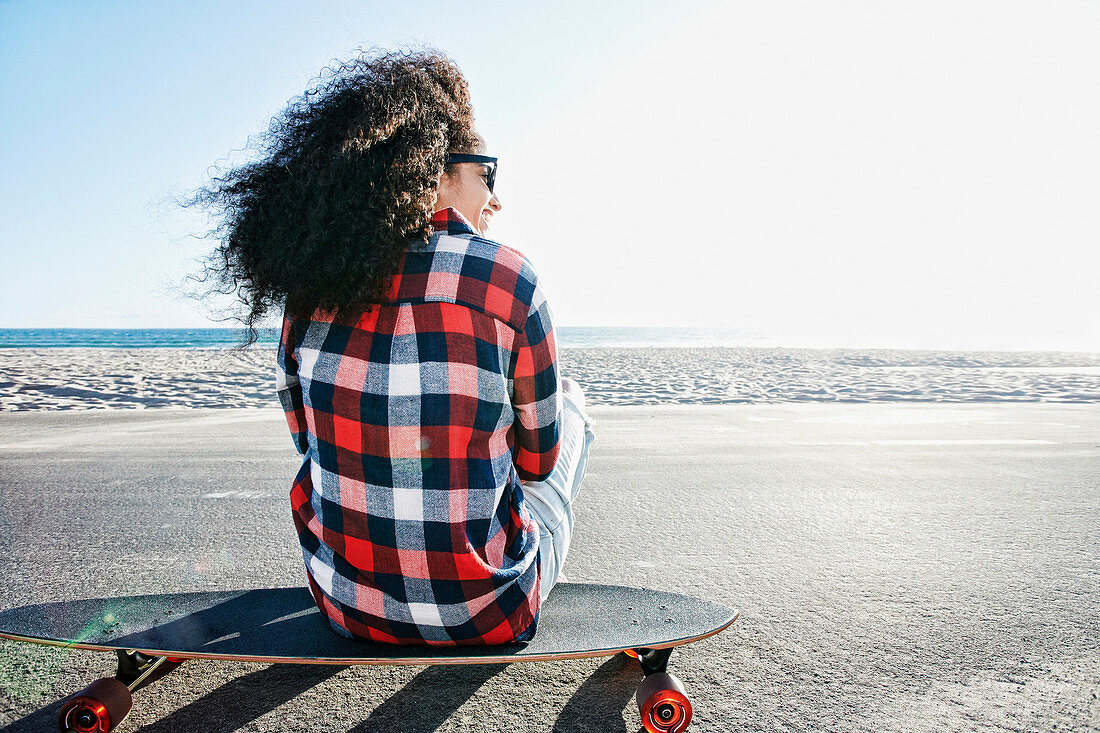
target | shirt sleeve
[
  {"x": 536, "y": 395},
  {"x": 289, "y": 388}
]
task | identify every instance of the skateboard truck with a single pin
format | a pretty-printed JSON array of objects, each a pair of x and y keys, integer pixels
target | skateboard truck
[
  {"x": 662, "y": 699},
  {"x": 102, "y": 705}
]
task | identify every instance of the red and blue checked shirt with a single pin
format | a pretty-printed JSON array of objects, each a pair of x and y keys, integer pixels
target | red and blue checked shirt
[{"x": 417, "y": 420}]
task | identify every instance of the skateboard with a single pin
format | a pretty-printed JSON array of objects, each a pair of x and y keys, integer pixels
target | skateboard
[{"x": 153, "y": 634}]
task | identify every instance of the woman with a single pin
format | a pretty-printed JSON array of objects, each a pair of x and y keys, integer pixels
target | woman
[{"x": 417, "y": 365}]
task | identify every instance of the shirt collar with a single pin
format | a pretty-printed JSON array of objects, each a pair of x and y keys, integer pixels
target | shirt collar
[{"x": 450, "y": 221}]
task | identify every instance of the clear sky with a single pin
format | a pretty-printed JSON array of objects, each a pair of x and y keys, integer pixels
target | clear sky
[{"x": 864, "y": 173}]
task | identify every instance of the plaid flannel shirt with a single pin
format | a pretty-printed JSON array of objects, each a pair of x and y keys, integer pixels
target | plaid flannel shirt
[{"x": 417, "y": 421}]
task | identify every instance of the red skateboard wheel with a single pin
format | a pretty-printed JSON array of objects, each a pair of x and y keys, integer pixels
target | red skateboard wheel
[
  {"x": 98, "y": 708},
  {"x": 663, "y": 704}
]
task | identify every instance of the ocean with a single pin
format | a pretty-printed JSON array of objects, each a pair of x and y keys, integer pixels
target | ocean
[{"x": 205, "y": 338}]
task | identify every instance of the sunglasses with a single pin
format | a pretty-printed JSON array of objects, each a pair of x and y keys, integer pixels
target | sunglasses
[{"x": 486, "y": 160}]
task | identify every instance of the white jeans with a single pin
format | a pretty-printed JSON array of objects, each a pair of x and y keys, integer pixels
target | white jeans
[{"x": 551, "y": 501}]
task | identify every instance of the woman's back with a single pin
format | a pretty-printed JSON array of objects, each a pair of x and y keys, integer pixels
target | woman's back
[{"x": 417, "y": 419}]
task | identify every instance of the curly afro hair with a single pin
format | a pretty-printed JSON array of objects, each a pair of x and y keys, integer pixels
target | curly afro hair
[{"x": 346, "y": 178}]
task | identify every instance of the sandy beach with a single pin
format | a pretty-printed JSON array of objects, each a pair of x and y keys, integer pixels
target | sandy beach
[
  {"x": 901, "y": 564},
  {"x": 96, "y": 378}
]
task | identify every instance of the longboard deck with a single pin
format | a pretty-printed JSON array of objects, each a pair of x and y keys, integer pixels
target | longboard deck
[{"x": 283, "y": 625}]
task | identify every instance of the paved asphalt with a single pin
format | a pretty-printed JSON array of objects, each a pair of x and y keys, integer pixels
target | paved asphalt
[{"x": 898, "y": 567}]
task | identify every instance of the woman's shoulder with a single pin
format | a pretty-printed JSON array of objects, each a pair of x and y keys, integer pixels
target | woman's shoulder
[
  {"x": 456, "y": 240},
  {"x": 483, "y": 263},
  {"x": 471, "y": 271}
]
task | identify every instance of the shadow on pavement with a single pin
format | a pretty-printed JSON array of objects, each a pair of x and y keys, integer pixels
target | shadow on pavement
[
  {"x": 38, "y": 721},
  {"x": 229, "y": 707},
  {"x": 422, "y": 705},
  {"x": 598, "y": 704},
  {"x": 245, "y": 698}
]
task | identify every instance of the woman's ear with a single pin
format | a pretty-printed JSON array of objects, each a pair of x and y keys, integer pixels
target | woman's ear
[{"x": 444, "y": 192}]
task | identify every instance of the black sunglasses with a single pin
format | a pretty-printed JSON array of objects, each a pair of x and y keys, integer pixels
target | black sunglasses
[{"x": 486, "y": 160}]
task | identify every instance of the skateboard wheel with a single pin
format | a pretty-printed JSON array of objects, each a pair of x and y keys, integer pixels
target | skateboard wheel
[
  {"x": 663, "y": 704},
  {"x": 632, "y": 653},
  {"x": 97, "y": 708}
]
